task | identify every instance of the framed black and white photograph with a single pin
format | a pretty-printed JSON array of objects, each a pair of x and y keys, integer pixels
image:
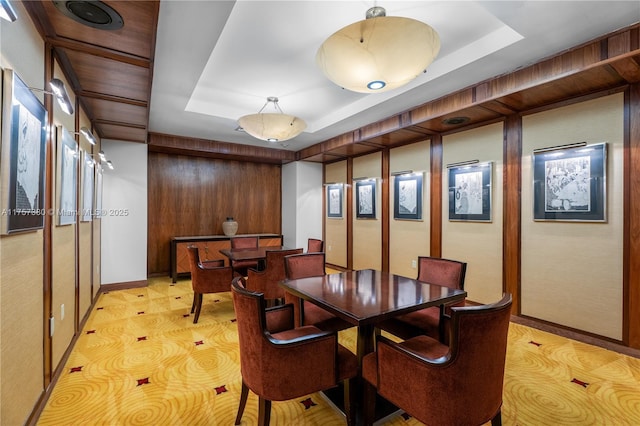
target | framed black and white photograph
[
  {"x": 334, "y": 201},
  {"x": 569, "y": 184},
  {"x": 366, "y": 199},
  {"x": 470, "y": 192},
  {"x": 67, "y": 177},
  {"x": 407, "y": 196},
  {"x": 24, "y": 136},
  {"x": 87, "y": 187}
]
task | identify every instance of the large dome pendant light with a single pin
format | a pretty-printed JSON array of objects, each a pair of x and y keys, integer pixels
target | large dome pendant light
[
  {"x": 272, "y": 127},
  {"x": 379, "y": 53}
]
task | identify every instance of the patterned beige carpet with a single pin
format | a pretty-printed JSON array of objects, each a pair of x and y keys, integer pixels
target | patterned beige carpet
[{"x": 140, "y": 360}]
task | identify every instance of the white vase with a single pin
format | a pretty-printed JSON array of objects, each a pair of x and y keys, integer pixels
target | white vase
[{"x": 229, "y": 227}]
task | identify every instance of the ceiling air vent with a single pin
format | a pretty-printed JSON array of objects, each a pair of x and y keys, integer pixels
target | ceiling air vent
[
  {"x": 95, "y": 14},
  {"x": 453, "y": 121}
]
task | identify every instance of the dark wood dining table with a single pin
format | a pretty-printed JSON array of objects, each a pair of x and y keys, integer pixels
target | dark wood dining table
[
  {"x": 366, "y": 297},
  {"x": 259, "y": 254}
]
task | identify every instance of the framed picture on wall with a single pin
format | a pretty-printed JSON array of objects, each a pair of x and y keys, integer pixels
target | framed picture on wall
[
  {"x": 366, "y": 199},
  {"x": 569, "y": 183},
  {"x": 98, "y": 211},
  {"x": 407, "y": 197},
  {"x": 87, "y": 187},
  {"x": 334, "y": 201},
  {"x": 470, "y": 192},
  {"x": 24, "y": 136},
  {"x": 66, "y": 177}
]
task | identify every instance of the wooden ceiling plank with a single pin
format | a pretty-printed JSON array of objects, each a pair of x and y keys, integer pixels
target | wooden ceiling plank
[
  {"x": 216, "y": 147},
  {"x": 99, "y": 51},
  {"x": 629, "y": 69}
]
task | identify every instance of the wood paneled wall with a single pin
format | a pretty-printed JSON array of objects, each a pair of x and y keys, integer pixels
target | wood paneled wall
[{"x": 190, "y": 196}]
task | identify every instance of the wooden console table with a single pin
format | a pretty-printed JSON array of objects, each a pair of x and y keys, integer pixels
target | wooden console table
[{"x": 209, "y": 247}]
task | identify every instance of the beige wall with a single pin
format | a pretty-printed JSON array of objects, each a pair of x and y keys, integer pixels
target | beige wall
[
  {"x": 63, "y": 240},
  {"x": 21, "y": 260},
  {"x": 367, "y": 233},
  {"x": 85, "y": 242},
  {"x": 336, "y": 229},
  {"x": 409, "y": 239},
  {"x": 572, "y": 272},
  {"x": 22, "y": 278},
  {"x": 477, "y": 243}
]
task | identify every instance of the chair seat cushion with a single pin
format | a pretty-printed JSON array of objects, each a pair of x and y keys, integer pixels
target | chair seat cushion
[
  {"x": 323, "y": 319},
  {"x": 294, "y": 333},
  {"x": 425, "y": 321},
  {"x": 347, "y": 363},
  {"x": 245, "y": 263}
]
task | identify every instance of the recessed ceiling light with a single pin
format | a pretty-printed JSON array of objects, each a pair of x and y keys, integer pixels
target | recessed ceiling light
[
  {"x": 95, "y": 14},
  {"x": 455, "y": 121}
]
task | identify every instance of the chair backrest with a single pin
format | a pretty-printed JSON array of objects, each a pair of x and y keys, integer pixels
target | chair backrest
[
  {"x": 304, "y": 265},
  {"x": 208, "y": 279},
  {"x": 468, "y": 380},
  {"x": 315, "y": 246},
  {"x": 244, "y": 242},
  {"x": 251, "y": 321},
  {"x": 479, "y": 345},
  {"x": 267, "y": 281},
  {"x": 270, "y": 367},
  {"x": 445, "y": 272}
]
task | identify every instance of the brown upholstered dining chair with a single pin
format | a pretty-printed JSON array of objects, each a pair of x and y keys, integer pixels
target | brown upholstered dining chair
[
  {"x": 459, "y": 384},
  {"x": 279, "y": 362},
  {"x": 241, "y": 266},
  {"x": 430, "y": 321},
  {"x": 210, "y": 277},
  {"x": 306, "y": 313},
  {"x": 315, "y": 246},
  {"x": 267, "y": 281}
]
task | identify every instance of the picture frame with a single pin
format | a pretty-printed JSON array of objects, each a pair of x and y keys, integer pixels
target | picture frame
[
  {"x": 66, "y": 177},
  {"x": 407, "y": 197},
  {"x": 87, "y": 187},
  {"x": 23, "y": 146},
  {"x": 470, "y": 192},
  {"x": 334, "y": 201},
  {"x": 366, "y": 199},
  {"x": 569, "y": 183},
  {"x": 98, "y": 210}
]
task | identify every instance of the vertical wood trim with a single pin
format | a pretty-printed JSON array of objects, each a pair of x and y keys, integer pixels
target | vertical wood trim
[
  {"x": 435, "y": 196},
  {"x": 511, "y": 216},
  {"x": 47, "y": 231},
  {"x": 324, "y": 206},
  {"x": 348, "y": 188},
  {"x": 631, "y": 243},
  {"x": 384, "y": 208}
]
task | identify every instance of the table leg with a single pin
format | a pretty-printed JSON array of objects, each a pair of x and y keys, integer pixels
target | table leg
[{"x": 364, "y": 345}]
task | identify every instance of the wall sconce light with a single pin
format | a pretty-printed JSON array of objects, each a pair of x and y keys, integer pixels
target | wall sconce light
[
  {"x": 462, "y": 163},
  {"x": 403, "y": 172},
  {"x": 555, "y": 148},
  {"x": 6, "y": 11},
  {"x": 87, "y": 134},
  {"x": 60, "y": 92},
  {"x": 103, "y": 159}
]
